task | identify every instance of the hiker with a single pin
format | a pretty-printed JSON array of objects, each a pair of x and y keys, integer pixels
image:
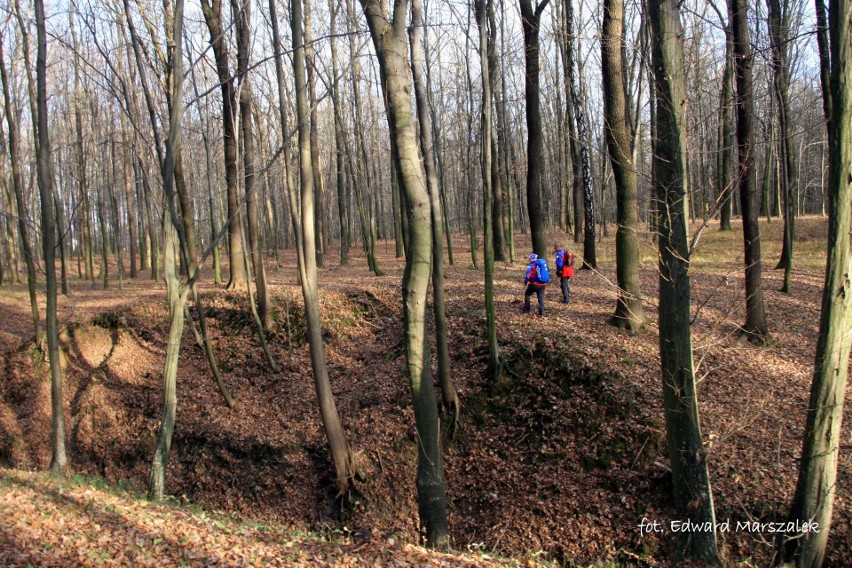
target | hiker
[
  {"x": 536, "y": 280},
  {"x": 565, "y": 270}
]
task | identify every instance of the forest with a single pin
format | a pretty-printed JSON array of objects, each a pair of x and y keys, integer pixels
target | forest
[{"x": 484, "y": 283}]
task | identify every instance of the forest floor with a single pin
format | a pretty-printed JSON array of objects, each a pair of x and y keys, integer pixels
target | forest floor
[{"x": 559, "y": 462}]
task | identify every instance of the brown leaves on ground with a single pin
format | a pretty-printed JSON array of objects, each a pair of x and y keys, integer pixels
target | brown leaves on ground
[
  {"x": 560, "y": 460},
  {"x": 50, "y": 522}
]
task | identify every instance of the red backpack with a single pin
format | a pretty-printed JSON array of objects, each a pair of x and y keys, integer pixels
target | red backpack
[{"x": 568, "y": 265}]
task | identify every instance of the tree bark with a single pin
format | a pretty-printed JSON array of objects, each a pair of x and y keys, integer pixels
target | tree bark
[
  {"x": 242, "y": 16},
  {"x": 693, "y": 496},
  {"x": 725, "y": 186},
  {"x": 531, "y": 20},
  {"x": 18, "y": 188},
  {"x": 496, "y": 165},
  {"x": 341, "y": 455},
  {"x": 58, "y": 459},
  {"x": 319, "y": 185},
  {"x": 212, "y": 10},
  {"x": 589, "y": 250},
  {"x": 450, "y": 403},
  {"x": 816, "y": 487},
  {"x": 755, "y": 329},
  {"x": 618, "y": 129},
  {"x": 389, "y": 40},
  {"x": 339, "y": 143},
  {"x": 779, "y": 33}
]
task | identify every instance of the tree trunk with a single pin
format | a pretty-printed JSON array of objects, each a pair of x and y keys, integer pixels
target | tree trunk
[
  {"x": 58, "y": 459},
  {"x": 471, "y": 222},
  {"x": 212, "y": 10},
  {"x": 450, "y": 403},
  {"x": 389, "y": 40},
  {"x": 779, "y": 33},
  {"x": 242, "y": 14},
  {"x": 531, "y": 20},
  {"x": 130, "y": 205},
  {"x": 341, "y": 455},
  {"x": 755, "y": 328},
  {"x": 363, "y": 165},
  {"x": 18, "y": 188},
  {"x": 693, "y": 496},
  {"x": 589, "y": 251},
  {"x": 496, "y": 165},
  {"x": 725, "y": 186},
  {"x": 629, "y": 313},
  {"x": 437, "y": 148},
  {"x": 319, "y": 185},
  {"x": 495, "y": 359},
  {"x": 339, "y": 144},
  {"x": 816, "y": 487},
  {"x": 11, "y": 241}
]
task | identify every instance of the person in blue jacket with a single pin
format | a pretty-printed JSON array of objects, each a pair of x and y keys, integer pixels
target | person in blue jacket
[{"x": 534, "y": 285}]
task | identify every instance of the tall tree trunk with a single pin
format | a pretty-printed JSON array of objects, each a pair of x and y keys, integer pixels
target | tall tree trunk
[
  {"x": 449, "y": 397},
  {"x": 589, "y": 250},
  {"x": 242, "y": 16},
  {"x": 18, "y": 188},
  {"x": 389, "y": 40},
  {"x": 489, "y": 174},
  {"x": 319, "y": 184},
  {"x": 362, "y": 189},
  {"x": 824, "y": 61},
  {"x": 437, "y": 136},
  {"x": 212, "y": 10},
  {"x": 341, "y": 455},
  {"x": 129, "y": 183},
  {"x": 725, "y": 186},
  {"x": 755, "y": 328},
  {"x": 208, "y": 172},
  {"x": 618, "y": 129},
  {"x": 693, "y": 496},
  {"x": 99, "y": 193},
  {"x": 567, "y": 46},
  {"x": 471, "y": 219},
  {"x": 496, "y": 165},
  {"x": 340, "y": 152},
  {"x": 11, "y": 241},
  {"x": 779, "y": 33},
  {"x": 153, "y": 233},
  {"x": 531, "y": 20},
  {"x": 115, "y": 219},
  {"x": 58, "y": 459},
  {"x": 816, "y": 487},
  {"x": 504, "y": 142}
]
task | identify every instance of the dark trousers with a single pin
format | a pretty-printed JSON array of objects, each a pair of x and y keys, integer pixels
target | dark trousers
[
  {"x": 538, "y": 291},
  {"x": 566, "y": 289}
]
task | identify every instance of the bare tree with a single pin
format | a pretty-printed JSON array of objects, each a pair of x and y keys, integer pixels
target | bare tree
[
  {"x": 58, "y": 459},
  {"x": 389, "y": 39},
  {"x": 212, "y": 10},
  {"x": 449, "y": 397},
  {"x": 18, "y": 189},
  {"x": 755, "y": 329},
  {"x": 816, "y": 487},
  {"x": 618, "y": 129},
  {"x": 341, "y": 455},
  {"x": 693, "y": 496},
  {"x": 531, "y": 20}
]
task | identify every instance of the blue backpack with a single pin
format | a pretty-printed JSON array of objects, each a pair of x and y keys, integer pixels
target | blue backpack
[{"x": 541, "y": 272}]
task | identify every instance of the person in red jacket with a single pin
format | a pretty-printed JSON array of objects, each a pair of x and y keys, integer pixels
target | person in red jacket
[
  {"x": 534, "y": 285},
  {"x": 565, "y": 271}
]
